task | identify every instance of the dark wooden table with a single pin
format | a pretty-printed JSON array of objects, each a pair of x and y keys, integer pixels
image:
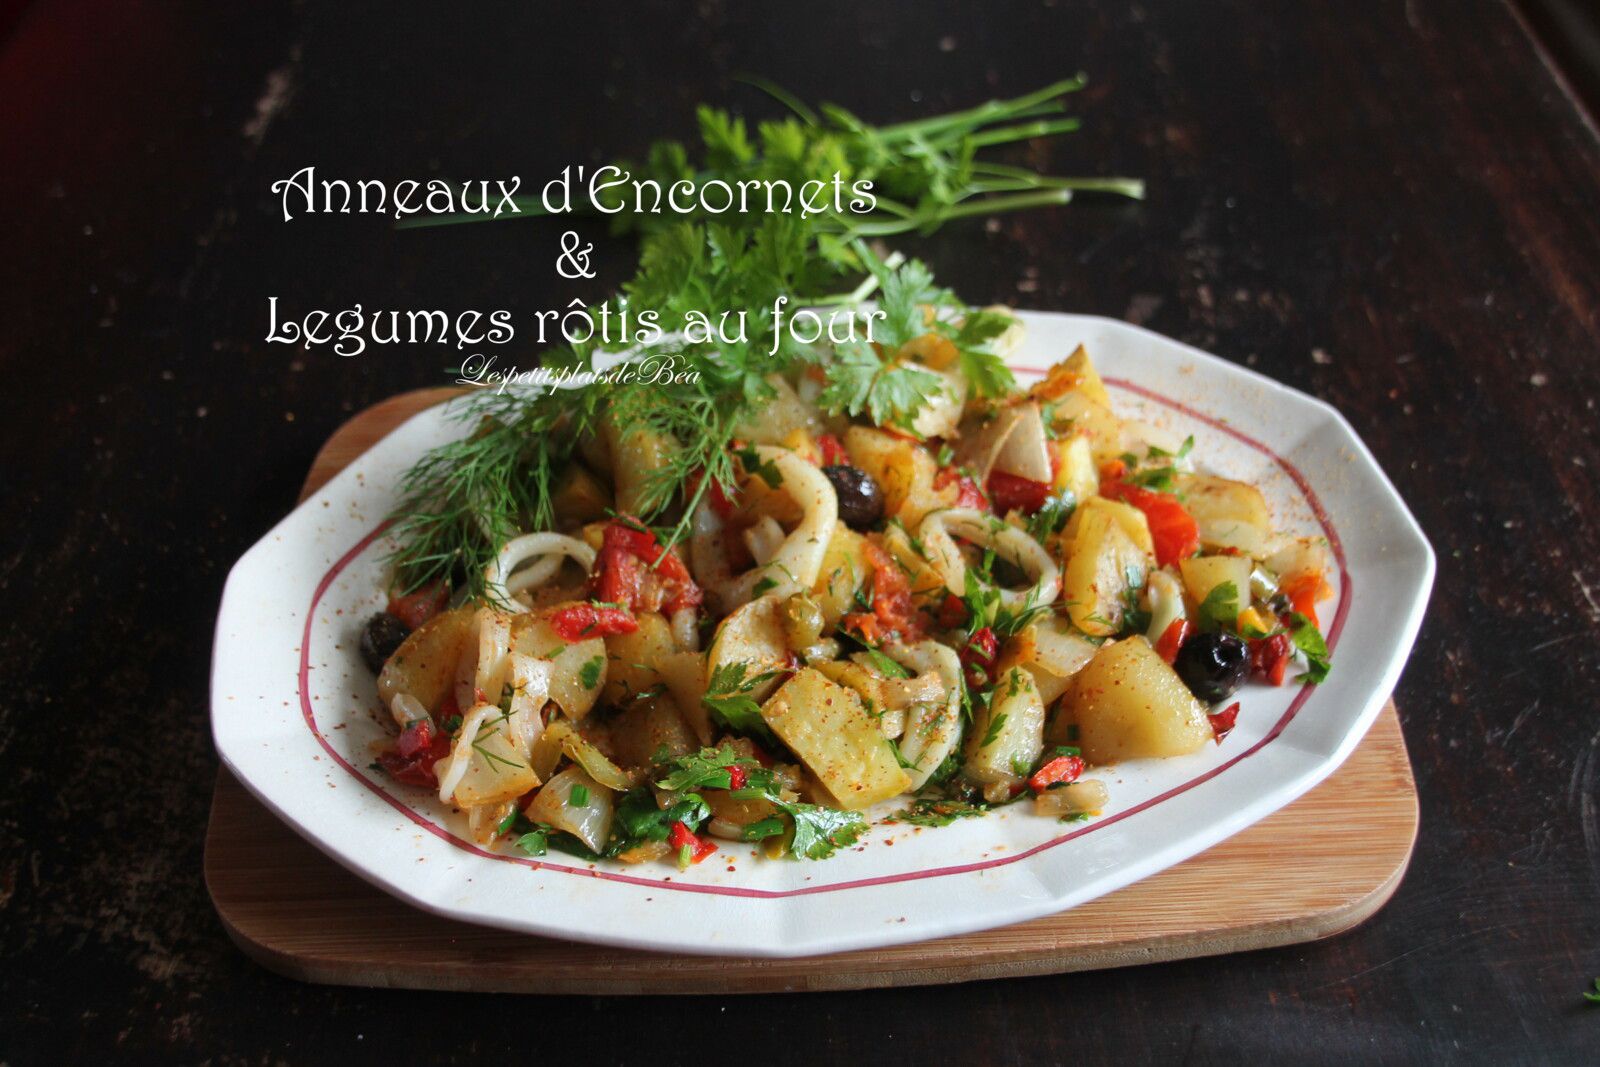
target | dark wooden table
[{"x": 1394, "y": 206}]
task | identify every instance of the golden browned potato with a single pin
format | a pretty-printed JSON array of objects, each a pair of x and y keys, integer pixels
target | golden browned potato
[
  {"x": 1075, "y": 374},
  {"x": 754, "y": 637},
  {"x": 828, "y": 728},
  {"x": 1202, "y": 574},
  {"x": 425, "y": 663},
  {"x": 844, "y": 569},
  {"x": 648, "y": 726},
  {"x": 903, "y": 470},
  {"x": 1075, "y": 469},
  {"x": 1104, "y": 567},
  {"x": 1230, "y": 514},
  {"x": 1128, "y": 704},
  {"x": 1089, "y": 383},
  {"x": 685, "y": 676},
  {"x": 633, "y": 661},
  {"x": 1050, "y": 650},
  {"x": 578, "y": 497},
  {"x": 636, "y": 454},
  {"x": 1008, "y": 736},
  {"x": 1130, "y": 518}
]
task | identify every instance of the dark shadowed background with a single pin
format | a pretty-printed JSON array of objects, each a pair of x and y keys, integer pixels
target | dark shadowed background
[{"x": 1394, "y": 206}]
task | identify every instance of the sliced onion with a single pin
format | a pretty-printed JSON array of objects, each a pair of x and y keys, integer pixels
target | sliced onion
[
  {"x": 589, "y": 822},
  {"x": 494, "y": 644},
  {"x": 686, "y": 629},
  {"x": 483, "y": 821},
  {"x": 1166, "y": 604},
  {"x": 407, "y": 709},
  {"x": 933, "y": 728},
  {"x": 1089, "y": 795},
  {"x": 1009, "y": 542},
  {"x": 590, "y": 758},
  {"x": 455, "y": 765}
]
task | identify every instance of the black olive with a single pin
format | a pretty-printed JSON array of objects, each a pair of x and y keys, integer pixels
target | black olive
[
  {"x": 860, "y": 498},
  {"x": 1213, "y": 665},
  {"x": 379, "y": 639}
]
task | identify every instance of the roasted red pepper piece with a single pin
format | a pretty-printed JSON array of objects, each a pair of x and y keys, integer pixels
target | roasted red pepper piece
[
  {"x": 1269, "y": 657},
  {"x": 635, "y": 571},
  {"x": 418, "y": 607},
  {"x": 737, "y": 778},
  {"x": 968, "y": 495},
  {"x": 891, "y": 595},
  {"x": 579, "y": 622},
  {"x": 1303, "y": 591},
  {"x": 1223, "y": 721},
  {"x": 419, "y": 746},
  {"x": 833, "y": 453},
  {"x": 1173, "y": 530},
  {"x": 1059, "y": 771},
  {"x": 620, "y": 576},
  {"x": 1172, "y": 639},
  {"x": 1008, "y": 491},
  {"x": 978, "y": 657},
  {"x": 680, "y": 836},
  {"x": 953, "y": 612}
]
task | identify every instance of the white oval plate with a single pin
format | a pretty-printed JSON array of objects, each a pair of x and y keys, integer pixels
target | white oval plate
[{"x": 296, "y": 717}]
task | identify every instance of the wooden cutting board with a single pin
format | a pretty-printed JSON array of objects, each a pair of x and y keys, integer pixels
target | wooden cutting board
[{"x": 1314, "y": 869}]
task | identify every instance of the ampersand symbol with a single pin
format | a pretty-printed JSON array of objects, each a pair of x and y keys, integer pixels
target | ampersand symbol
[{"x": 574, "y": 260}]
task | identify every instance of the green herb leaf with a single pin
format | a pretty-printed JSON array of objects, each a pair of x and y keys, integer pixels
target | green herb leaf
[
  {"x": 729, "y": 698},
  {"x": 886, "y": 666},
  {"x": 819, "y": 831},
  {"x": 1220, "y": 609},
  {"x": 709, "y": 769},
  {"x": 589, "y": 673},
  {"x": 937, "y": 812},
  {"x": 992, "y": 734},
  {"x": 1308, "y": 639}
]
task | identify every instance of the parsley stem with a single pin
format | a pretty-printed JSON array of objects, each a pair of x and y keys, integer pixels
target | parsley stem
[
  {"x": 984, "y": 113},
  {"x": 1006, "y": 134}
]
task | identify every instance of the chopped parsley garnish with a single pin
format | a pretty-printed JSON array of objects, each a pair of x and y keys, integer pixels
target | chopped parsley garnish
[
  {"x": 1308, "y": 639},
  {"x": 711, "y": 768},
  {"x": 728, "y": 697},
  {"x": 756, "y": 467},
  {"x": 930, "y": 811},
  {"x": 534, "y": 843},
  {"x": 1052, "y": 516},
  {"x": 992, "y": 734},
  {"x": 819, "y": 831},
  {"x": 886, "y": 666},
  {"x": 589, "y": 673},
  {"x": 1220, "y": 609}
]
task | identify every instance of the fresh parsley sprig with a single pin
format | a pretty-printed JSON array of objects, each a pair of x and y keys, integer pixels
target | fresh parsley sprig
[{"x": 466, "y": 498}]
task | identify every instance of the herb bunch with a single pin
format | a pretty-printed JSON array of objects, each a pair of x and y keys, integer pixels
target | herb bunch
[{"x": 464, "y": 499}]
